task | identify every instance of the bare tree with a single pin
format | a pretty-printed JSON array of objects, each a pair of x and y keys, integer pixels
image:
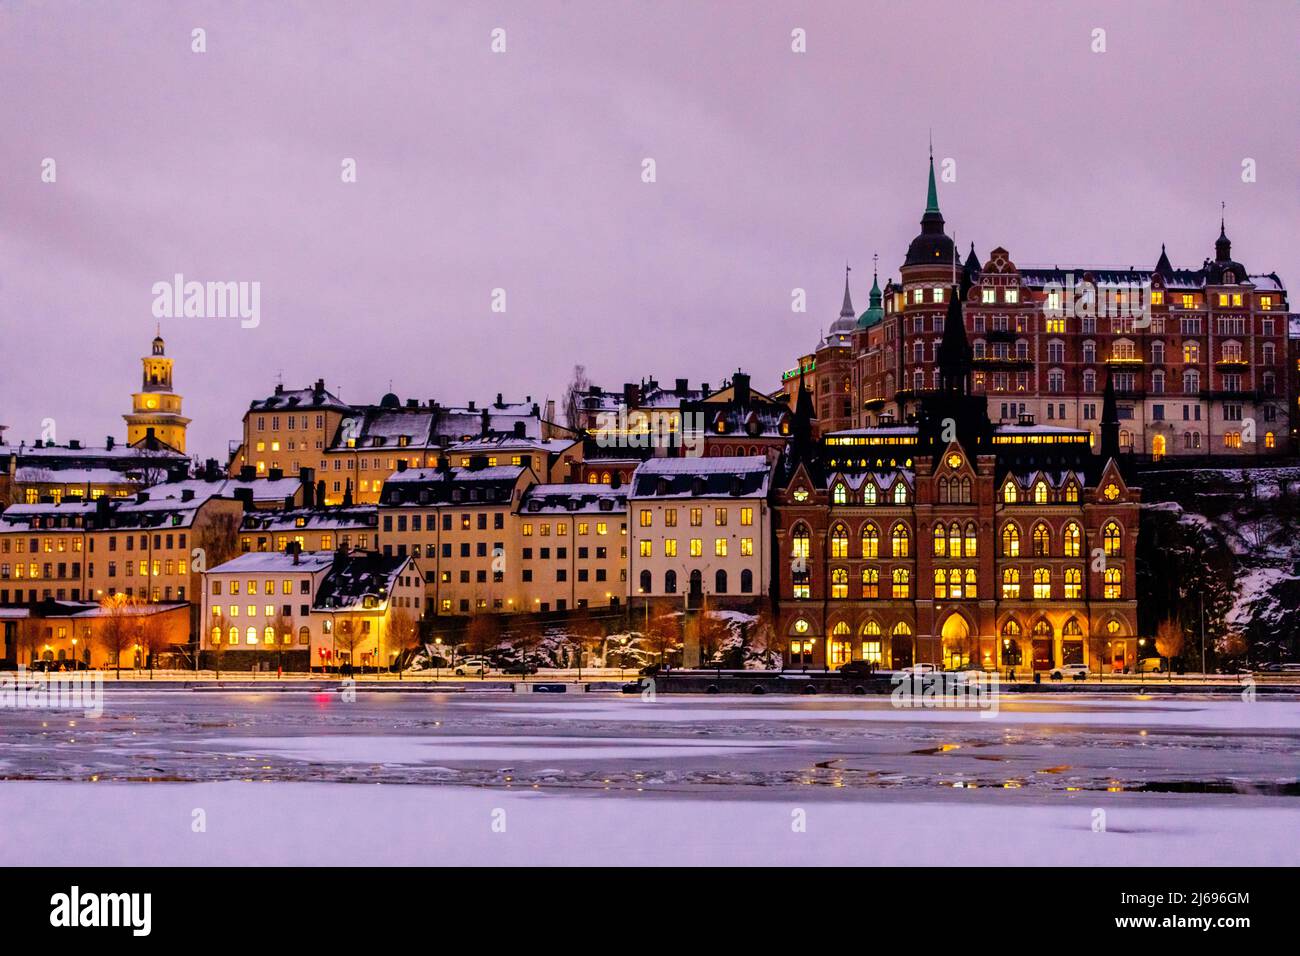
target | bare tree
[
  {"x": 282, "y": 625},
  {"x": 218, "y": 539},
  {"x": 118, "y": 629},
  {"x": 348, "y": 638},
  {"x": 403, "y": 634},
  {"x": 483, "y": 633},
  {"x": 1169, "y": 642},
  {"x": 573, "y": 397},
  {"x": 217, "y": 640},
  {"x": 526, "y": 639},
  {"x": 664, "y": 634},
  {"x": 151, "y": 634},
  {"x": 28, "y": 637}
]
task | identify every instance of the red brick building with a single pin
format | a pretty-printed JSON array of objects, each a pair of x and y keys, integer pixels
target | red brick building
[{"x": 955, "y": 540}]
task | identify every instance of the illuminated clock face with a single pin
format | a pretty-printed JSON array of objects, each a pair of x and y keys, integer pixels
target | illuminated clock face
[
  {"x": 801, "y": 626},
  {"x": 1111, "y": 492},
  {"x": 801, "y": 494},
  {"x": 954, "y": 460}
]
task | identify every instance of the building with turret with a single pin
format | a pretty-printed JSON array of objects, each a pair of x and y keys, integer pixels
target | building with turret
[
  {"x": 951, "y": 538},
  {"x": 1197, "y": 357},
  {"x": 156, "y": 408}
]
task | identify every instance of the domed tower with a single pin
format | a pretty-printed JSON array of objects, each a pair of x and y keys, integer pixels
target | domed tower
[{"x": 156, "y": 408}]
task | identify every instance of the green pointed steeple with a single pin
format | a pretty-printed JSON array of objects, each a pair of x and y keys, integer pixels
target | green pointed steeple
[
  {"x": 875, "y": 311},
  {"x": 932, "y": 196}
]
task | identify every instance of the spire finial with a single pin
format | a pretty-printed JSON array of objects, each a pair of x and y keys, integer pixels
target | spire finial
[
  {"x": 932, "y": 194},
  {"x": 875, "y": 261}
]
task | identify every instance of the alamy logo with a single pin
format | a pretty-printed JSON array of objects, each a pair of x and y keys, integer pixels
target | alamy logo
[
  {"x": 35, "y": 691},
  {"x": 132, "y": 910},
  {"x": 636, "y": 429},
  {"x": 971, "y": 690},
  {"x": 1078, "y": 299},
  {"x": 208, "y": 300}
]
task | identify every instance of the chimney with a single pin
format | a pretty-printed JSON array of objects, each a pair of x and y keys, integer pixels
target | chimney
[
  {"x": 289, "y": 503},
  {"x": 306, "y": 478},
  {"x": 246, "y": 496},
  {"x": 550, "y": 409},
  {"x": 412, "y": 403},
  {"x": 108, "y": 442},
  {"x": 74, "y": 444},
  {"x": 279, "y": 388},
  {"x": 187, "y": 494},
  {"x": 682, "y": 385},
  {"x": 471, "y": 407},
  {"x": 486, "y": 428},
  {"x": 320, "y": 492},
  {"x": 247, "y": 473},
  {"x": 616, "y": 480},
  {"x": 519, "y": 430},
  {"x": 293, "y": 548},
  {"x": 141, "y": 497},
  {"x": 275, "y": 474},
  {"x": 631, "y": 395},
  {"x": 500, "y": 404},
  {"x": 740, "y": 382},
  {"x": 401, "y": 464},
  {"x": 210, "y": 470}
]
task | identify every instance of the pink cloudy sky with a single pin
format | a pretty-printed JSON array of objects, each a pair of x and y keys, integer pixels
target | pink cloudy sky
[{"x": 522, "y": 171}]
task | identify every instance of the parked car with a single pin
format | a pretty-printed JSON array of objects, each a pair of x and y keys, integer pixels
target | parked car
[
  {"x": 1072, "y": 671},
  {"x": 1151, "y": 665},
  {"x": 852, "y": 669},
  {"x": 1270, "y": 668},
  {"x": 520, "y": 667},
  {"x": 473, "y": 667},
  {"x": 919, "y": 669}
]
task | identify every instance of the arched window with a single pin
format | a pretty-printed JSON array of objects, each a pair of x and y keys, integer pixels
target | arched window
[
  {"x": 746, "y": 581},
  {"x": 1071, "y": 492},
  {"x": 870, "y": 541},
  {"x": 1042, "y": 540},
  {"x": 840, "y": 494},
  {"x": 954, "y": 540},
  {"x": 1009, "y": 493},
  {"x": 1040, "y": 492},
  {"x": 943, "y": 491},
  {"x": 940, "y": 583},
  {"x": 646, "y": 582},
  {"x": 900, "y": 493},
  {"x": 251, "y": 635},
  {"x": 233, "y": 636},
  {"x": 1011, "y": 628},
  {"x": 954, "y": 583},
  {"x": 902, "y": 583},
  {"x": 902, "y": 630},
  {"x": 1042, "y": 629},
  {"x": 1110, "y": 538},
  {"x": 901, "y": 540},
  {"x": 1042, "y": 583},
  {"x": 965, "y": 491},
  {"x": 1072, "y": 628},
  {"x": 670, "y": 582},
  {"x": 869, "y": 493},
  {"x": 304, "y": 635},
  {"x": 940, "y": 541},
  {"x": 216, "y": 635},
  {"x": 972, "y": 536},
  {"x": 1073, "y": 584},
  {"x": 839, "y": 541},
  {"x": 720, "y": 581},
  {"x": 1010, "y": 541},
  {"x": 268, "y": 634},
  {"x": 1114, "y": 584},
  {"x": 1010, "y": 584},
  {"x": 839, "y": 583},
  {"x": 799, "y": 542},
  {"x": 870, "y": 583},
  {"x": 1072, "y": 540}
]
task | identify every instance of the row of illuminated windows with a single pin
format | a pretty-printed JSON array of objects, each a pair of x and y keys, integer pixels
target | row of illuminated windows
[
  {"x": 562, "y": 528},
  {"x": 870, "y": 496},
  {"x": 33, "y": 570},
  {"x": 267, "y": 586},
  {"x": 645, "y": 517},
  {"x": 268, "y": 610},
  {"x": 696, "y": 547},
  {"x": 1040, "y": 494},
  {"x": 958, "y": 583},
  {"x": 252, "y": 636},
  {"x": 1041, "y": 540},
  {"x": 900, "y": 541},
  {"x": 33, "y": 495},
  {"x": 21, "y": 545}
]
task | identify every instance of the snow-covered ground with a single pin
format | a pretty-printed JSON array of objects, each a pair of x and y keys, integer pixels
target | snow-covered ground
[
  {"x": 247, "y": 824},
  {"x": 301, "y": 778}
]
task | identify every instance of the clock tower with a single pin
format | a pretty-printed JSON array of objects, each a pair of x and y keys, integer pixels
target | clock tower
[{"x": 156, "y": 408}]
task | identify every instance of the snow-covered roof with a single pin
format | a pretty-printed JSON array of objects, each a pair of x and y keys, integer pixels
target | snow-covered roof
[
  {"x": 328, "y": 518},
  {"x": 573, "y": 497},
  {"x": 275, "y": 562}
]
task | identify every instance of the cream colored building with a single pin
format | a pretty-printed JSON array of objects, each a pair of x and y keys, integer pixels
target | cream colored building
[
  {"x": 703, "y": 526},
  {"x": 326, "y": 608}
]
